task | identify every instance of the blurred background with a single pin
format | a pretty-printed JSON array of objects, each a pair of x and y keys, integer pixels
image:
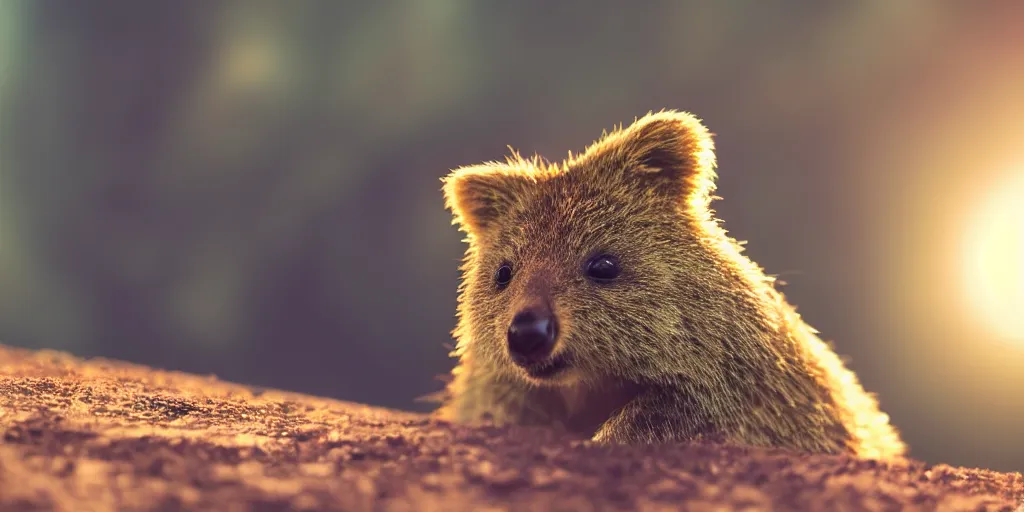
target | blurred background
[{"x": 251, "y": 189}]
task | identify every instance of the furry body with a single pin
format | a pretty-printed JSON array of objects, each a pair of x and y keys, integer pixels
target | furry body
[{"x": 690, "y": 341}]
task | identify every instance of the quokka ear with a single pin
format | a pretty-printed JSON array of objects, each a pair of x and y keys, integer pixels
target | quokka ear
[
  {"x": 669, "y": 150},
  {"x": 479, "y": 195}
]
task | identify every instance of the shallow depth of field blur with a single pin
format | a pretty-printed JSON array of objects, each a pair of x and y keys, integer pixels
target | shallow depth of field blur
[{"x": 251, "y": 189}]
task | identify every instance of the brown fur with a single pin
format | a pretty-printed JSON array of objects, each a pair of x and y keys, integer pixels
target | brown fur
[{"x": 691, "y": 341}]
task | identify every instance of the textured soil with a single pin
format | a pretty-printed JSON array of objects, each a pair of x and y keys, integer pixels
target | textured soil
[{"x": 103, "y": 435}]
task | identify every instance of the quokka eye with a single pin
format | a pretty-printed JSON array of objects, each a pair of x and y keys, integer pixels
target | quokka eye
[
  {"x": 604, "y": 267},
  {"x": 503, "y": 275}
]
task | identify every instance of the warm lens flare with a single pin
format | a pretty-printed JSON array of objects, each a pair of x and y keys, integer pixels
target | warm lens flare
[{"x": 994, "y": 259}]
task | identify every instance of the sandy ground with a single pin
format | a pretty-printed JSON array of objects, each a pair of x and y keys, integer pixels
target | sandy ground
[{"x": 103, "y": 435}]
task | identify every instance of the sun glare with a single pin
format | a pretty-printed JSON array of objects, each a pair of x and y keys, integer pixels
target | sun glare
[{"x": 994, "y": 259}]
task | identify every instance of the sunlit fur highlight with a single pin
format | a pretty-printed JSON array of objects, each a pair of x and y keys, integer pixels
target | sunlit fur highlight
[{"x": 693, "y": 341}]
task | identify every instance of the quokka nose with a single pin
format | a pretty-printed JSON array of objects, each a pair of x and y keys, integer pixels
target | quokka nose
[{"x": 531, "y": 337}]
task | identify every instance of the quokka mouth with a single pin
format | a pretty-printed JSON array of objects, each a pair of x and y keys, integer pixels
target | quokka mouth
[{"x": 549, "y": 367}]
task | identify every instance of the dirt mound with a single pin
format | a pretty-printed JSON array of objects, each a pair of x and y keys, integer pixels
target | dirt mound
[{"x": 103, "y": 435}]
